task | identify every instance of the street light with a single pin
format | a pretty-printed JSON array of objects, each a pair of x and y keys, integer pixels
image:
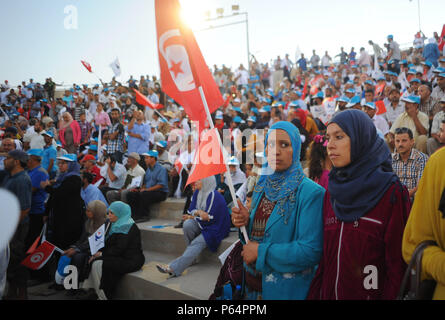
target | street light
[{"x": 235, "y": 12}]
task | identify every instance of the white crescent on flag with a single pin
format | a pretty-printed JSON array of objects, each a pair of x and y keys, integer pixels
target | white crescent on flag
[{"x": 177, "y": 60}]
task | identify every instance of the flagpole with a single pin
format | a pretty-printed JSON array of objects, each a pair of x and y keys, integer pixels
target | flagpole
[
  {"x": 229, "y": 177},
  {"x": 159, "y": 114}
]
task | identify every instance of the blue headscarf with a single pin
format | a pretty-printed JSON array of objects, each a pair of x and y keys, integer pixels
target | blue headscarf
[
  {"x": 124, "y": 222},
  {"x": 358, "y": 187},
  {"x": 280, "y": 185},
  {"x": 73, "y": 170}
]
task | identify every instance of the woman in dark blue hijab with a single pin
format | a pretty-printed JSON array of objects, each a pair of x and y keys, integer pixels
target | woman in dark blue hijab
[{"x": 365, "y": 211}]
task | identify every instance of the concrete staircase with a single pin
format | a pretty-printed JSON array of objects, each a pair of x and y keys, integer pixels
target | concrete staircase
[{"x": 162, "y": 245}]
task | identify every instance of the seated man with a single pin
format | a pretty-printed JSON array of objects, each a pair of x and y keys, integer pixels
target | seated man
[
  {"x": 114, "y": 174},
  {"x": 134, "y": 171},
  {"x": 89, "y": 163},
  {"x": 90, "y": 192},
  {"x": 154, "y": 189},
  {"x": 407, "y": 162},
  {"x": 415, "y": 120},
  {"x": 435, "y": 142}
]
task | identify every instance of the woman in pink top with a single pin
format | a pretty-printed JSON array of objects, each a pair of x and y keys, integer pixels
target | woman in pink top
[
  {"x": 319, "y": 162},
  {"x": 69, "y": 133},
  {"x": 102, "y": 117}
]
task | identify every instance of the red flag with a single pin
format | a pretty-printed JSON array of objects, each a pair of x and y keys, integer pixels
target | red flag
[
  {"x": 209, "y": 159},
  {"x": 178, "y": 165},
  {"x": 34, "y": 245},
  {"x": 441, "y": 41},
  {"x": 183, "y": 69},
  {"x": 143, "y": 100},
  {"x": 381, "y": 109},
  {"x": 86, "y": 65},
  {"x": 40, "y": 256},
  {"x": 304, "y": 90}
]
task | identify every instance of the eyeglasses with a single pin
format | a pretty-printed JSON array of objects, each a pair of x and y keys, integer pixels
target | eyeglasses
[{"x": 402, "y": 130}]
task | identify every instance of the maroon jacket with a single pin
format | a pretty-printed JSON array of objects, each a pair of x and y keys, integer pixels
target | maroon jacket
[{"x": 374, "y": 240}]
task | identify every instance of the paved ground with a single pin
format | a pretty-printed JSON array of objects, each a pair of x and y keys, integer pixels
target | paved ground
[{"x": 41, "y": 292}]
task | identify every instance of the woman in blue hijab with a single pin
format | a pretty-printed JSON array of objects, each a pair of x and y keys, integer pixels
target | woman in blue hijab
[
  {"x": 365, "y": 211},
  {"x": 121, "y": 254},
  {"x": 285, "y": 222}
]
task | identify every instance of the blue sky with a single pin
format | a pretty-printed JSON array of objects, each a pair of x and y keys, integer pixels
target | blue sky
[{"x": 35, "y": 43}]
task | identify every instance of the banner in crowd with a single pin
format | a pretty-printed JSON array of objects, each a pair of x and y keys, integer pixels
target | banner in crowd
[
  {"x": 97, "y": 240},
  {"x": 116, "y": 67},
  {"x": 143, "y": 100},
  {"x": 183, "y": 69}
]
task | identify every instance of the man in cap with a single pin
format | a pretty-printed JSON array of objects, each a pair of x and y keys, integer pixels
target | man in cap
[
  {"x": 415, "y": 120},
  {"x": 38, "y": 175},
  {"x": 436, "y": 141},
  {"x": 379, "y": 122},
  {"x": 15, "y": 179},
  {"x": 154, "y": 188},
  {"x": 89, "y": 165},
  {"x": 394, "y": 52},
  {"x": 134, "y": 173},
  {"x": 163, "y": 157}
]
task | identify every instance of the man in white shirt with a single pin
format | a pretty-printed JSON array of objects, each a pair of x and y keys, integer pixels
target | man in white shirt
[
  {"x": 152, "y": 96},
  {"x": 365, "y": 59},
  {"x": 315, "y": 60},
  {"x": 326, "y": 61},
  {"x": 241, "y": 76},
  {"x": 395, "y": 108},
  {"x": 379, "y": 122},
  {"x": 114, "y": 173},
  {"x": 134, "y": 173}
]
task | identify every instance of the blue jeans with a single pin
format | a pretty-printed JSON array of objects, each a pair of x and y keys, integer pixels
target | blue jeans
[{"x": 195, "y": 244}]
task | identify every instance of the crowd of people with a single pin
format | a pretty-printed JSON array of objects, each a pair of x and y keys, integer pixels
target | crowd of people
[{"x": 351, "y": 149}]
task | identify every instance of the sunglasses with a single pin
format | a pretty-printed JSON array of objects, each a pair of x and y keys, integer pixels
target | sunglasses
[{"x": 402, "y": 130}]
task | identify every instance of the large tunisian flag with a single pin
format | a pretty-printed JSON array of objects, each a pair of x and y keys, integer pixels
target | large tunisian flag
[{"x": 183, "y": 68}]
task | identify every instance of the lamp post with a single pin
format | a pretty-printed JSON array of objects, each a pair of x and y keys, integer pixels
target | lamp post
[{"x": 235, "y": 13}]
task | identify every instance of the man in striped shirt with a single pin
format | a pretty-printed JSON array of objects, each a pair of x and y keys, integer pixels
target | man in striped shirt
[{"x": 407, "y": 162}]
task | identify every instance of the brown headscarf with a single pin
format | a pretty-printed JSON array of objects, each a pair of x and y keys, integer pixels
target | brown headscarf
[{"x": 99, "y": 210}]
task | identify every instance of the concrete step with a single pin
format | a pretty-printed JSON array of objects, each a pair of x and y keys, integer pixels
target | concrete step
[
  {"x": 168, "y": 240},
  {"x": 170, "y": 209},
  {"x": 196, "y": 283}
]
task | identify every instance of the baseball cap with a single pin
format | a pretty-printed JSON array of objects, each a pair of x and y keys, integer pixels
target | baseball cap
[
  {"x": 18, "y": 155},
  {"x": 162, "y": 144},
  {"x": 252, "y": 118},
  {"x": 427, "y": 63},
  {"x": 344, "y": 99},
  {"x": 411, "y": 99},
  {"x": 381, "y": 78},
  {"x": 238, "y": 109},
  {"x": 415, "y": 80},
  {"x": 135, "y": 156},
  {"x": 88, "y": 157},
  {"x": 71, "y": 157},
  {"x": 233, "y": 161},
  {"x": 390, "y": 36},
  {"x": 254, "y": 110},
  {"x": 442, "y": 60},
  {"x": 439, "y": 70},
  {"x": 48, "y": 133},
  {"x": 236, "y": 100},
  {"x": 35, "y": 152},
  {"x": 265, "y": 109},
  {"x": 403, "y": 62},
  {"x": 320, "y": 94},
  {"x": 370, "y": 105},
  {"x": 237, "y": 119},
  {"x": 92, "y": 147},
  {"x": 412, "y": 71},
  {"x": 151, "y": 153},
  {"x": 353, "y": 101},
  {"x": 350, "y": 90},
  {"x": 442, "y": 75},
  {"x": 219, "y": 117},
  {"x": 369, "y": 82}
]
